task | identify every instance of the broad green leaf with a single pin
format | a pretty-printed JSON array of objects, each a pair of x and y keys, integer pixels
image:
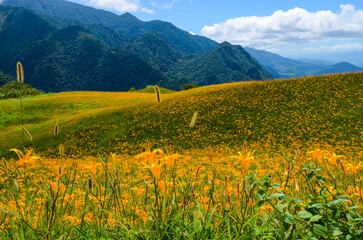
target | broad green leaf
[
  {"x": 315, "y": 218},
  {"x": 287, "y": 218},
  {"x": 343, "y": 198},
  {"x": 280, "y": 196},
  {"x": 337, "y": 233},
  {"x": 281, "y": 206},
  {"x": 333, "y": 203},
  {"x": 319, "y": 230},
  {"x": 304, "y": 214},
  {"x": 275, "y": 185}
]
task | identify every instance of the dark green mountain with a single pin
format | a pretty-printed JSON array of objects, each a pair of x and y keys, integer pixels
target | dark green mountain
[
  {"x": 68, "y": 59},
  {"x": 18, "y": 29},
  {"x": 125, "y": 24},
  {"x": 58, "y": 56},
  {"x": 74, "y": 59},
  {"x": 4, "y": 78},
  {"x": 226, "y": 63},
  {"x": 156, "y": 50},
  {"x": 106, "y": 35},
  {"x": 285, "y": 67}
]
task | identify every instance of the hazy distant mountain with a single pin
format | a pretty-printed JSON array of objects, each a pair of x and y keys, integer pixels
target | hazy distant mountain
[
  {"x": 285, "y": 67},
  {"x": 337, "y": 68},
  {"x": 125, "y": 24},
  {"x": 226, "y": 63},
  {"x": 281, "y": 66}
]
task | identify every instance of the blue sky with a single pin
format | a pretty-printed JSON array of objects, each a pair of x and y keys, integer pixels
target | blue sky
[{"x": 318, "y": 29}]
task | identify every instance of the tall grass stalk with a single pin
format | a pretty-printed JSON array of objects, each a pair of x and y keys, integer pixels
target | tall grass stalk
[
  {"x": 20, "y": 76},
  {"x": 194, "y": 118},
  {"x": 157, "y": 90}
]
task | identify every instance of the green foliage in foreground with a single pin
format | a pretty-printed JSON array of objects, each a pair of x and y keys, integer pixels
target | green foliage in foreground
[
  {"x": 102, "y": 203},
  {"x": 15, "y": 89}
]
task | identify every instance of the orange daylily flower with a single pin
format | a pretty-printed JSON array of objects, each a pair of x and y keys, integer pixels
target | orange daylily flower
[
  {"x": 333, "y": 159},
  {"x": 245, "y": 159},
  {"x": 318, "y": 155},
  {"x": 24, "y": 159},
  {"x": 155, "y": 169},
  {"x": 355, "y": 167},
  {"x": 170, "y": 160}
]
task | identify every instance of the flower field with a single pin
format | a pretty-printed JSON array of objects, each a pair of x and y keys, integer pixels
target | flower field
[
  {"x": 297, "y": 195},
  {"x": 258, "y": 160}
]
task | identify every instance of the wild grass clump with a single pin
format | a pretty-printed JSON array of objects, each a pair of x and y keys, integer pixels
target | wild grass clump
[
  {"x": 15, "y": 89},
  {"x": 154, "y": 195}
]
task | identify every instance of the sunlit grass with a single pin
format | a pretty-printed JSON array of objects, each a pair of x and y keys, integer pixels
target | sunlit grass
[{"x": 257, "y": 160}]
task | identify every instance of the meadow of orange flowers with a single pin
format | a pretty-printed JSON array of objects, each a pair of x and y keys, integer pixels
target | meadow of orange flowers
[{"x": 263, "y": 160}]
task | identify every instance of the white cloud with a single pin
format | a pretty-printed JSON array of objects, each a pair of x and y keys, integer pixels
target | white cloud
[
  {"x": 169, "y": 4},
  {"x": 291, "y": 27},
  {"x": 192, "y": 33},
  {"x": 164, "y": 4},
  {"x": 339, "y": 48},
  {"x": 119, "y": 5},
  {"x": 146, "y": 10}
]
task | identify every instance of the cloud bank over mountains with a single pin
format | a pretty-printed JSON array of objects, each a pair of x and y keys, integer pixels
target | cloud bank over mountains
[
  {"x": 129, "y": 5},
  {"x": 290, "y": 27}
]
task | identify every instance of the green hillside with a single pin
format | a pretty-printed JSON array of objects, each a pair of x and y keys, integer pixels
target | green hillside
[{"x": 303, "y": 112}]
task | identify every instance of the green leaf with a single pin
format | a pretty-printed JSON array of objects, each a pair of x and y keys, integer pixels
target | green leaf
[
  {"x": 281, "y": 206},
  {"x": 337, "y": 233},
  {"x": 343, "y": 198},
  {"x": 275, "y": 185},
  {"x": 304, "y": 214},
  {"x": 315, "y": 218},
  {"x": 287, "y": 218},
  {"x": 280, "y": 196},
  {"x": 317, "y": 205},
  {"x": 354, "y": 216},
  {"x": 333, "y": 203},
  {"x": 319, "y": 230},
  {"x": 260, "y": 203}
]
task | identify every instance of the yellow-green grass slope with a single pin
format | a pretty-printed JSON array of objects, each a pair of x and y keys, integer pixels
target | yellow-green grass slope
[{"x": 293, "y": 113}]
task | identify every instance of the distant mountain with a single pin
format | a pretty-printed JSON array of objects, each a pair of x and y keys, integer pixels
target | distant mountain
[
  {"x": 281, "y": 66},
  {"x": 285, "y": 67},
  {"x": 226, "y": 63},
  {"x": 68, "y": 59},
  {"x": 337, "y": 68},
  {"x": 65, "y": 55},
  {"x": 156, "y": 50},
  {"x": 125, "y": 24},
  {"x": 74, "y": 59}
]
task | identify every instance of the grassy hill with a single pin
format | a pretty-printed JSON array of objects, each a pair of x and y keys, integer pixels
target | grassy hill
[{"x": 302, "y": 112}]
